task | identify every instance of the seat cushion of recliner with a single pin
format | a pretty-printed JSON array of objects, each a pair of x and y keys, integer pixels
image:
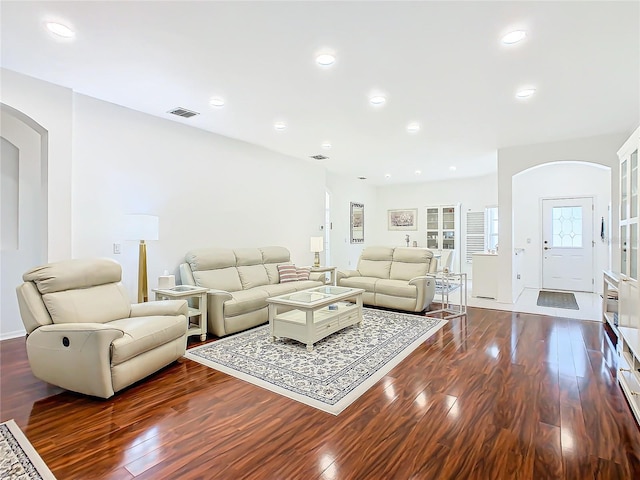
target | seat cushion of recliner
[
  {"x": 245, "y": 301},
  {"x": 142, "y": 334},
  {"x": 397, "y": 288},
  {"x": 367, "y": 283}
]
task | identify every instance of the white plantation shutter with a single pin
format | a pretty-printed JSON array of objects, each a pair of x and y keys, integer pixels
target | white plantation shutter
[{"x": 475, "y": 233}]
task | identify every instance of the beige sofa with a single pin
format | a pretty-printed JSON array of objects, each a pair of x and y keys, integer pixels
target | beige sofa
[
  {"x": 240, "y": 281},
  {"x": 395, "y": 278},
  {"x": 85, "y": 336}
]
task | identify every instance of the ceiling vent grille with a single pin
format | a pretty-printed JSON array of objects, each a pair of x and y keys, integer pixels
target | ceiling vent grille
[
  {"x": 183, "y": 112},
  {"x": 319, "y": 157}
]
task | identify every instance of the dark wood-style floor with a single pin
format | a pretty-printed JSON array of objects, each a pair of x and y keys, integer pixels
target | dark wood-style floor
[{"x": 499, "y": 395}]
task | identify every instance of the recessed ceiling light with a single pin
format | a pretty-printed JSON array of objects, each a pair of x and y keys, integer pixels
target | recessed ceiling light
[
  {"x": 216, "y": 102},
  {"x": 60, "y": 29},
  {"x": 413, "y": 127},
  {"x": 326, "y": 145},
  {"x": 514, "y": 37},
  {"x": 387, "y": 175},
  {"x": 452, "y": 168},
  {"x": 280, "y": 126},
  {"x": 325, "y": 59},
  {"x": 377, "y": 100},
  {"x": 418, "y": 172},
  {"x": 525, "y": 92}
]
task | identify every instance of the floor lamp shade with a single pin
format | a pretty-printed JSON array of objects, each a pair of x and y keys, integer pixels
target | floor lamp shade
[
  {"x": 316, "y": 245},
  {"x": 142, "y": 228}
]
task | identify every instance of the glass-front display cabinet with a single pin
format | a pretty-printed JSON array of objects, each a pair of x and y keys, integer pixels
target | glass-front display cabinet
[
  {"x": 628, "y": 295},
  {"x": 443, "y": 230}
]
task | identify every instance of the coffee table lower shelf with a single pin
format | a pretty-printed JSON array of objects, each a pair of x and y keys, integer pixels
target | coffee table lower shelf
[{"x": 312, "y": 326}]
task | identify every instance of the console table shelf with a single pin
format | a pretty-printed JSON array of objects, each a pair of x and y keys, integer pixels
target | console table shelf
[
  {"x": 629, "y": 367},
  {"x": 610, "y": 299}
]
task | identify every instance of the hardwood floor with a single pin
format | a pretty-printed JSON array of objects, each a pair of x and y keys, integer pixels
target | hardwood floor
[{"x": 499, "y": 395}]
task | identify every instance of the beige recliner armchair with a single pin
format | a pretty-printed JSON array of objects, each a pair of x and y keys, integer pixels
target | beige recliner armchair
[{"x": 84, "y": 335}]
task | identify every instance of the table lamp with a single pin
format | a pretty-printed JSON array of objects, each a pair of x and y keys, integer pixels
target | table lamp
[
  {"x": 316, "y": 245},
  {"x": 142, "y": 227}
]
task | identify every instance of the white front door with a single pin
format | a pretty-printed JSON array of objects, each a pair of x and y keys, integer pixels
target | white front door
[{"x": 567, "y": 244}]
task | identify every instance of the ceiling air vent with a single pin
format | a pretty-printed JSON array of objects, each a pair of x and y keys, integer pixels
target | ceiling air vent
[
  {"x": 319, "y": 157},
  {"x": 183, "y": 112}
]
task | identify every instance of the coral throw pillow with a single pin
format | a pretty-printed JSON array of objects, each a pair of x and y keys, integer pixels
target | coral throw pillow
[
  {"x": 303, "y": 273},
  {"x": 287, "y": 273}
]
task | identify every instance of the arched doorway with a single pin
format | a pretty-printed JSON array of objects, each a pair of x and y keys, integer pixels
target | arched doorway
[
  {"x": 558, "y": 213},
  {"x": 24, "y": 208}
]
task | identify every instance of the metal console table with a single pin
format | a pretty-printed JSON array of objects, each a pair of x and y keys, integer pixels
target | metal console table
[{"x": 446, "y": 283}]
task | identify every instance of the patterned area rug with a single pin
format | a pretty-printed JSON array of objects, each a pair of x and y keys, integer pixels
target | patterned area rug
[
  {"x": 557, "y": 300},
  {"x": 18, "y": 459},
  {"x": 340, "y": 368}
]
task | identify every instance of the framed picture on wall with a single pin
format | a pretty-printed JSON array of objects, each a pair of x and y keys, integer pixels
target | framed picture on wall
[
  {"x": 357, "y": 222},
  {"x": 406, "y": 219}
]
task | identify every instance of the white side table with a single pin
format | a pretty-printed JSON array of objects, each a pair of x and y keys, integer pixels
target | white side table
[
  {"x": 197, "y": 326},
  {"x": 332, "y": 270},
  {"x": 449, "y": 282}
]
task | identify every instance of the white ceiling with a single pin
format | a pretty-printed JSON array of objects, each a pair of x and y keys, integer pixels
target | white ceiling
[{"x": 438, "y": 63}]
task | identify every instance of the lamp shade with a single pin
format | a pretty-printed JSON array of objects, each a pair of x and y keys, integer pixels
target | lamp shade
[
  {"x": 316, "y": 244},
  {"x": 141, "y": 227}
]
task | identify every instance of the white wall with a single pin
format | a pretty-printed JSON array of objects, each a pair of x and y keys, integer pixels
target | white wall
[
  {"x": 23, "y": 214},
  {"x": 473, "y": 194},
  {"x": 599, "y": 149},
  {"x": 51, "y": 107},
  {"x": 208, "y": 190},
  {"x": 553, "y": 181},
  {"x": 343, "y": 191}
]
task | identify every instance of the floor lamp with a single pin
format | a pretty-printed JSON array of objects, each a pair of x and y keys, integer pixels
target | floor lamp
[{"x": 142, "y": 227}]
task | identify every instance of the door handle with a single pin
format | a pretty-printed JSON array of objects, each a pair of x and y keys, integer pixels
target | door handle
[{"x": 546, "y": 248}]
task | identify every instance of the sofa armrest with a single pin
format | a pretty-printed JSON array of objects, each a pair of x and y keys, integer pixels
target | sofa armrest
[
  {"x": 426, "y": 285},
  {"x": 160, "y": 307},
  {"x": 215, "y": 310},
  {"x": 75, "y": 356},
  {"x": 318, "y": 277},
  {"x": 346, "y": 274}
]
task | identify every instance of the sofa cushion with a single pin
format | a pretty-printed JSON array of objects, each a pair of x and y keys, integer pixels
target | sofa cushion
[
  {"x": 253, "y": 276},
  {"x": 275, "y": 255},
  {"x": 74, "y": 274},
  {"x": 377, "y": 253},
  {"x": 220, "y": 278},
  {"x": 410, "y": 262},
  {"x": 248, "y": 256},
  {"x": 368, "y": 283},
  {"x": 287, "y": 273},
  {"x": 407, "y": 271},
  {"x": 279, "y": 289},
  {"x": 374, "y": 268},
  {"x": 210, "y": 258},
  {"x": 303, "y": 273},
  {"x": 304, "y": 284},
  {"x": 142, "y": 334},
  {"x": 246, "y": 301},
  {"x": 99, "y": 304},
  {"x": 396, "y": 288}
]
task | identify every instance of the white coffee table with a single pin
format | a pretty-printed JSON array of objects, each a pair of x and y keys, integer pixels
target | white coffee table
[{"x": 311, "y": 319}]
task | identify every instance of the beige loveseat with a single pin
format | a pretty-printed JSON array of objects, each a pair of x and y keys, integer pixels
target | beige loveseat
[
  {"x": 85, "y": 336},
  {"x": 395, "y": 278},
  {"x": 239, "y": 281}
]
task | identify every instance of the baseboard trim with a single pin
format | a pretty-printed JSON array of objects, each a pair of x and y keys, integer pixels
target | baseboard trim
[{"x": 14, "y": 334}]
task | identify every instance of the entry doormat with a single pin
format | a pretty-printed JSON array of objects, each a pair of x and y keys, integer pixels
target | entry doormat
[
  {"x": 18, "y": 459},
  {"x": 340, "y": 368},
  {"x": 557, "y": 300}
]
